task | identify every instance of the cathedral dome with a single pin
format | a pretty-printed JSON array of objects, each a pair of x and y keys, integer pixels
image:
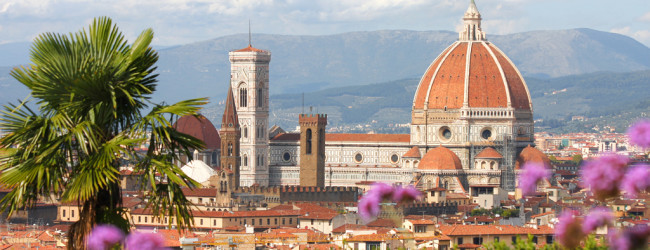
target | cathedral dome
[
  {"x": 200, "y": 128},
  {"x": 472, "y": 73},
  {"x": 440, "y": 158},
  {"x": 530, "y": 154},
  {"x": 489, "y": 153}
]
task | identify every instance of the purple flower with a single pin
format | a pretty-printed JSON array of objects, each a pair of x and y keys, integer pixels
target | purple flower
[
  {"x": 145, "y": 241},
  {"x": 596, "y": 218},
  {"x": 616, "y": 240},
  {"x": 369, "y": 206},
  {"x": 636, "y": 180},
  {"x": 635, "y": 237},
  {"x": 104, "y": 237},
  {"x": 406, "y": 194},
  {"x": 639, "y": 134},
  {"x": 568, "y": 230},
  {"x": 604, "y": 175},
  {"x": 381, "y": 190},
  {"x": 532, "y": 174}
]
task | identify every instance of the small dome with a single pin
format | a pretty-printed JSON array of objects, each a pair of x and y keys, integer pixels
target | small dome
[
  {"x": 414, "y": 152},
  {"x": 440, "y": 158},
  {"x": 530, "y": 154},
  {"x": 201, "y": 128},
  {"x": 489, "y": 153}
]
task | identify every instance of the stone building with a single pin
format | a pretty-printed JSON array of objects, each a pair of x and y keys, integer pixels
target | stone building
[{"x": 471, "y": 118}]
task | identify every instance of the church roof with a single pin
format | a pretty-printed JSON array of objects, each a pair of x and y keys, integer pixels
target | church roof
[
  {"x": 489, "y": 152},
  {"x": 201, "y": 128},
  {"x": 414, "y": 152},
  {"x": 440, "y": 158},
  {"x": 286, "y": 137},
  {"x": 229, "y": 118},
  {"x": 472, "y": 73},
  {"x": 530, "y": 154}
]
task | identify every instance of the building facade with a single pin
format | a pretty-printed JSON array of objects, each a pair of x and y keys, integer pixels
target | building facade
[
  {"x": 249, "y": 79},
  {"x": 472, "y": 116}
]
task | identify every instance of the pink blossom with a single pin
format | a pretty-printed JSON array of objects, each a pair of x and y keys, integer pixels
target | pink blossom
[
  {"x": 145, "y": 241},
  {"x": 597, "y": 217},
  {"x": 639, "y": 134},
  {"x": 568, "y": 230},
  {"x": 104, "y": 237},
  {"x": 603, "y": 175},
  {"x": 532, "y": 174},
  {"x": 635, "y": 237},
  {"x": 381, "y": 190},
  {"x": 369, "y": 206},
  {"x": 406, "y": 194},
  {"x": 636, "y": 180}
]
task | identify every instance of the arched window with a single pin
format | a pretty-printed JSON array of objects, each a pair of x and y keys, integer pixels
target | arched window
[
  {"x": 260, "y": 98},
  {"x": 308, "y": 142},
  {"x": 229, "y": 149},
  {"x": 245, "y": 161},
  {"x": 243, "y": 97},
  {"x": 245, "y": 132}
]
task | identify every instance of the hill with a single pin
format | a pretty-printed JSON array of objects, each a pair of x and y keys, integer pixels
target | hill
[
  {"x": 605, "y": 98},
  {"x": 310, "y": 63}
]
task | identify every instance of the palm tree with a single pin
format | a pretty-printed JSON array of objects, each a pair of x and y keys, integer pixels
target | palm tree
[{"x": 91, "y": 89}]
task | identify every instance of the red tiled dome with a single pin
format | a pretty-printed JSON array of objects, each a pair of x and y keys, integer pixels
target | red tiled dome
[
  {"x": 440, "y": 158},
  {"x": 475, "y": 73},
  {"x": 489, "y": 152},
  {"x": 201, "y": 128},
  {"x": 530, "y": 154},
  {"x": 414, "y": 152}
]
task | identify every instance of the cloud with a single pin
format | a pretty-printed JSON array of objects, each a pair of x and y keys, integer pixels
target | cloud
[
  {"x": 642, "y": 36},
  {"x": 645, "y": 17}
]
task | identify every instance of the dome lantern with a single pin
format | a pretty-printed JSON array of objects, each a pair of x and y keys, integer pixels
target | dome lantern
[{"x": 472, "y": 25}]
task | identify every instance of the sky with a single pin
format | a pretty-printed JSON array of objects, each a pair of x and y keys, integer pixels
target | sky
[{"x": 177, "y": 22}]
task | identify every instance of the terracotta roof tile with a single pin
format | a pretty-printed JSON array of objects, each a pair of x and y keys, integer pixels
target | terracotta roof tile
[
  {"x": 489, "y": 152},
  {"x": 200, "y": 128},
  {"x": 250, "y": 49},
  {"x": 200, "y": 192},
  {"x": 414, "y": 152},
  {"x": 286, "y": 137},
  {"x": 444, "y": 81},
  {"x": 440, "y": 158},
  {"x": 530, "y": 154}
]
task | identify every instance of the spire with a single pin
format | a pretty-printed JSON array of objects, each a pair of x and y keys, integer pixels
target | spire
[
  {"x": 249, "y": 33},
  {"x": 230, "y": 119},
  {"x": 472, "y": 25}
]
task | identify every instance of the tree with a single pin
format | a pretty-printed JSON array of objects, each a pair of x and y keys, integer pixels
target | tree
[
  {"x": 577, "y": 159},
  {"x": 91, "y": 89}
]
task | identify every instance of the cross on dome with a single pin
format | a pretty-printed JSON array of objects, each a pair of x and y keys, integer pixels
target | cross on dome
[{"x": 472, "y": 25}]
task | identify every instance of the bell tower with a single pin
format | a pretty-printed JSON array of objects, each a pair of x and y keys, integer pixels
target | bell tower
[
  {"x": 312, "y": 149},
  {"x": 249, "y": 80},
  {"x": 230, "y": 135}
]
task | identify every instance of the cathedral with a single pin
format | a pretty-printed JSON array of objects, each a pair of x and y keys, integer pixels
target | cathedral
[{"x": 471, "y": 128}]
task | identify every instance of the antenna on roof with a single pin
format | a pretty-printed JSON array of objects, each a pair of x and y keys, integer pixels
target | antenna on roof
[{"x": 249, "y": 33}]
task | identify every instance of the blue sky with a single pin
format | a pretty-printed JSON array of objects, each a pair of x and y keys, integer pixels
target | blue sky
[{"x": 185, "y": 21}]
